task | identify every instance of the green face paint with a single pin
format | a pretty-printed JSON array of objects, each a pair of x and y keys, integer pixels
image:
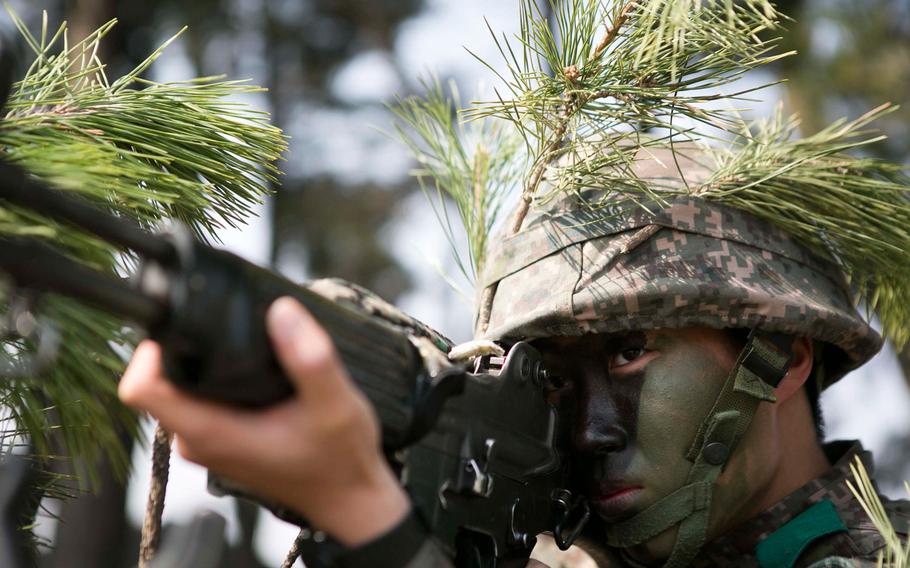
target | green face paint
[{"x": 638, "y": 401}]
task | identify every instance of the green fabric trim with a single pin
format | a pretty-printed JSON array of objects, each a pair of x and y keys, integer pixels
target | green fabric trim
[
  {"x": 694, "y": 529},
  {"x": 751, "y": 384},
  {"x": 782, "y": 548},
  {"x": 667, "y": 512},
  {"x": 742, "y": 391}
]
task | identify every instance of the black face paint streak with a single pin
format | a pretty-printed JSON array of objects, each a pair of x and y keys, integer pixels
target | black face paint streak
[{"x": 604, "y": 408}]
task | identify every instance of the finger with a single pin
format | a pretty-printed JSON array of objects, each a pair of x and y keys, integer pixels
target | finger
[
  {"x": 146, "y": 362},
  {"x": 209, "y": 431},
  {"x": 143, "y": 387},
  {"x": 307, "y": 354}
]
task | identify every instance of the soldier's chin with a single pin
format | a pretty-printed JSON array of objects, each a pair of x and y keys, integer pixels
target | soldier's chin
[{"x": 655, "y": 550}]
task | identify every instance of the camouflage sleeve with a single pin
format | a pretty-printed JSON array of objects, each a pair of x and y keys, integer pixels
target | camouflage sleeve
[
  {"x": 430, "y": 555},
  {"x": 407, "y": 545}
]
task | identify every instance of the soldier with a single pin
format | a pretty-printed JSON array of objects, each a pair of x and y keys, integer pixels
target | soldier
[{"x": 690, "y": 346}]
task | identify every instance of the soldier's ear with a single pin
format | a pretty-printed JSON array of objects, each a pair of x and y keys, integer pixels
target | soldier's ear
[{"x": 800, "y": 369}]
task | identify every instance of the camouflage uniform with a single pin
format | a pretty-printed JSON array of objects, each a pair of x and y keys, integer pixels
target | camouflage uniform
[
  {"x": 574, "y": 269},
  {"x": 853, "y": 541}
]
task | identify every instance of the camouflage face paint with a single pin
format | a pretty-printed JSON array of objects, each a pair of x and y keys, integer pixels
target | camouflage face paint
[{"x": 638, "y": 401}]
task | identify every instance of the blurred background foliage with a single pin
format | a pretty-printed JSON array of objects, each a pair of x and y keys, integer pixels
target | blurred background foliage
[
  {"x": 852, "y": 57},
  {"x": 335, "y": 209}
]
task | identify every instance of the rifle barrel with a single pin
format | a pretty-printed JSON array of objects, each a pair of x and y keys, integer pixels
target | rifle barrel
[
  {"x": 32, "y": 264},
  {"x": 18, "y": 189}
]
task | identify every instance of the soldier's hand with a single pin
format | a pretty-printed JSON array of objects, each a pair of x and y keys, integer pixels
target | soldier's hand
[{"x": 318, "y": 453}]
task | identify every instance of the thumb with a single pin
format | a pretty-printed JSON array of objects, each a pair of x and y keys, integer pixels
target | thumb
[{"x": 306, "y": 353}]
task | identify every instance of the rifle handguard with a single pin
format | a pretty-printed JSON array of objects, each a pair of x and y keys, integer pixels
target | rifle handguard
[{"x": 215, "y": 342}]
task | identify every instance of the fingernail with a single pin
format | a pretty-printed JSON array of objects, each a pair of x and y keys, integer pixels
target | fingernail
[{"x": 285, "y": 319}]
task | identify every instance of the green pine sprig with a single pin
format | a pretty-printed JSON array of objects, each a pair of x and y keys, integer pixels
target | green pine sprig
[
  {"x": 896, "y": 552},
  {"x": 627, "y": 62},
  {"x": 151, "y": 151},
  {"x": 595, "y": 77},
  {"x": 620, "y": 66},
  {"x": 180, "y": 150},
  {"x": 474, "y": 165}
]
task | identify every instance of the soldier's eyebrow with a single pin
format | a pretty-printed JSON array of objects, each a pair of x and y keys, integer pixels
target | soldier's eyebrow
[{"x": 602, "y": 342}]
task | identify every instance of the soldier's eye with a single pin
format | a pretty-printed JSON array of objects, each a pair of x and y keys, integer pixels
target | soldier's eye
[{"x": 627, "y": 356}]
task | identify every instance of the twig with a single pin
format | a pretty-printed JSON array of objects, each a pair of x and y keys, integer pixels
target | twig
[
  {"x": 639, "y": 237},
  {"x": 151, "y": 526},
  {"x": 548, "y": 155},
  {"x": 613, "y": 32},
  {"x": 537, "y": 174},
  {"x": 556, "y": 140},
  {"x": 479, "y": 206},
  {"x": 294, "y": 553}
]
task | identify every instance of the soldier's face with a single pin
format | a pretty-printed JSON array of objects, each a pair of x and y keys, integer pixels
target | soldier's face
[{"x": 638, "y": 400}]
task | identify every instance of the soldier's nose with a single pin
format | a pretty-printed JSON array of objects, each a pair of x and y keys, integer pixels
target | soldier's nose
[
  {"x": 598, "y": 430},
  {"x": 598, "y": 439}
]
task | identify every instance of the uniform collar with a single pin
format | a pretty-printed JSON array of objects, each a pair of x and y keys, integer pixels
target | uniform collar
[{"x": 738, "y": 546}]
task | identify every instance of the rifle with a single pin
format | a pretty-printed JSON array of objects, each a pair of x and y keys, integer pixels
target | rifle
[{"x": 478, "y": 449}]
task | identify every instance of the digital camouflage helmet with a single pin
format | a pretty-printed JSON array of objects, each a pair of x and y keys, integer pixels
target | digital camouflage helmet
[{"x": 574, "y": 269}]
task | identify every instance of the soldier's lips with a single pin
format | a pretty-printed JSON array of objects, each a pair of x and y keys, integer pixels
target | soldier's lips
[{"x": 616, "y": 503}]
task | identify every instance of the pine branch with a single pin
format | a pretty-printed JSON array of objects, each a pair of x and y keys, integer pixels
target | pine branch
[
  {"x": 613, "y": 30},
  {"x": 653, "y": 59},
  {"x": 557, "y": 139},
  {"x": 475, "y": 167},
  {"x": 150, "y": 151},
  {"x": 710, "y": 47}
]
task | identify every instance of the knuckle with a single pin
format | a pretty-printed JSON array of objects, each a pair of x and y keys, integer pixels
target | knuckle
[
  {"x": 136, "y": 389},
  {"x": 126, "y": 391}
]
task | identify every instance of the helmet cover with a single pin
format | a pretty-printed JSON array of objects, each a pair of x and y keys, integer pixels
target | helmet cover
[{"x": 575, "y": 269}]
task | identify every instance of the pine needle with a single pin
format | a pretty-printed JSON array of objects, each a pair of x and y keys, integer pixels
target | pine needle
[
  {"x": 896, "y": 553},
  {"x": 852, "y": 209},
  {"x": 475, "y": 167},
  {"x": 619, "y": 67}
]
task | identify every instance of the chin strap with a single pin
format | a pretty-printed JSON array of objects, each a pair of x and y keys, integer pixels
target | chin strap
[{"x": 761, "y": 365}]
